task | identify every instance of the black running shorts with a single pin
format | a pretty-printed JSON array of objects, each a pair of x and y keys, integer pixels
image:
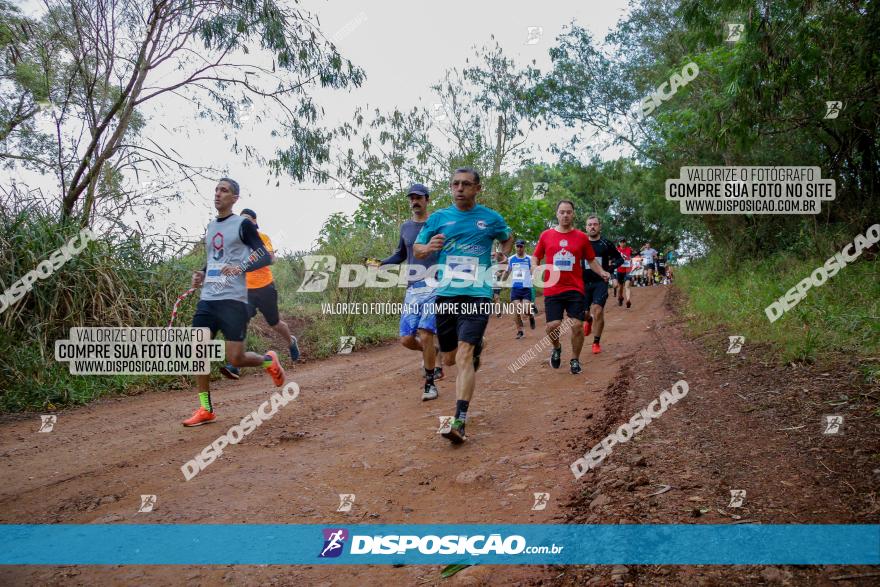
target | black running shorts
[
  {"x": 461, "y": 319},
  {"x": 264, "y": 299},
  {"x": 571, "y": 302},
  {"x": 228, "y": 316},
  {"x": 597, "y": 293}
]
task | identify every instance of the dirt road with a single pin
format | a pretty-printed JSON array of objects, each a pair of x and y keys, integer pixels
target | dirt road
[{"x": 358, "y": 427}]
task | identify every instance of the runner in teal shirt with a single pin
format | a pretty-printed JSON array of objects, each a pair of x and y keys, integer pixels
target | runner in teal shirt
[
  {"x": 467, "y": 250},
  {"x": 463, "y": 235}
]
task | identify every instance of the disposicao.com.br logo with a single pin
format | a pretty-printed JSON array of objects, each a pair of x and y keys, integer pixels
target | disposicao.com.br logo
[
  {"x": 450, "y": 544},
  {"x": 334, "y": 541}
]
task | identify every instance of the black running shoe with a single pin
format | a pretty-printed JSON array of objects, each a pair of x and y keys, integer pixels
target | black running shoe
[
  {"x": 294, "y": 349},
  {"x": 456, "y": 432},
  {"x": 438, "y": 373},
  {"x": 556, "y": 358},
  {"x": 519, "y": 334},
  {"x": 575, "y": 366},
  {"x": 619, "y": 301},
  {"x": 230, "y": 372},
  {"x": 477, "y": 352},
  {"x": 531, "y": 321},
  {"x": 628, "y": 303}
]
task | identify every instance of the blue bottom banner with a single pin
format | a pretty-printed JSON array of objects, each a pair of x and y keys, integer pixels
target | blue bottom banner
[{"x": 517, "y": 544}]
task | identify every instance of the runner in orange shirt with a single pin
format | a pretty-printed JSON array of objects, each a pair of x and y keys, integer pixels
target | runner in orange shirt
[{"x": 263, "y": 296}]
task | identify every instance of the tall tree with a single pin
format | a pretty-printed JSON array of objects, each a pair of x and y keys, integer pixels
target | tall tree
[
  {"x": 93, "y": 65},
  {"x": 757, "y": 101}
]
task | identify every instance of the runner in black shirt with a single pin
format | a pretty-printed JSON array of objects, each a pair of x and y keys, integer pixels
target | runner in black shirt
[{"x": 596, "y": 288}]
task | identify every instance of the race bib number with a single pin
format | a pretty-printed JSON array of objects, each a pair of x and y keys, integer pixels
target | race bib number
[
  {"x": 563, "y": 260},
  {"x": 627, "y": 263},
  {"x": 213, "y": 273},
  {"x": 463, "y": 268},
  {"x": 522, "y": 276}
]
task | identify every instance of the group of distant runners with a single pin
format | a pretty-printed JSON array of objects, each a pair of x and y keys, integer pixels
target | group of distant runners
[
  {"x": 650, "y": 268},
  {"x": 446, "y": 314}
]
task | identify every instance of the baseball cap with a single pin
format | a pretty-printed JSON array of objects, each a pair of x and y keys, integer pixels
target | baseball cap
[
  {"x": 520, "y": 242},
  {"x": 250, "y": 213},
  {"x": 418, "y": 189},
  {"x": 622, "y": 239}
]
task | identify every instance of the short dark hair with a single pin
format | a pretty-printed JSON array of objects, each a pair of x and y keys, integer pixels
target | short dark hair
[
  {"x": 232, "y": 182},
  {"x": 470, "y": 170},
  {"x": 561, "y": 202},
  {"x": 591, "y": 216}
]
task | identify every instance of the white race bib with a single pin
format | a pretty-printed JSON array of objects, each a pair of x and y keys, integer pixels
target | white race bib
[
  {"x": 213, "y": 273},
  {"x": 563, "y": 260},
  {"x": 626, "y": 263},
  {"x": 462, "y": 267}
]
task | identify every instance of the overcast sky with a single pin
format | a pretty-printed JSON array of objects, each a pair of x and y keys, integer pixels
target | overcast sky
[{"x": 404, "y": 48}]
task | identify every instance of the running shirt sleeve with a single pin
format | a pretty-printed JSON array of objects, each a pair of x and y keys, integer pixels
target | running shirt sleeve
[
  {"x": 502, "y": 231},
  {"x": 615, "y": 254},
  {"x": 539, "y": 249},
  {"x": 399, "y": 256},
  {"x": 260, "y": 256},
  {"x": 267, "y": 242},
  {"x": 428, "y": 230}
]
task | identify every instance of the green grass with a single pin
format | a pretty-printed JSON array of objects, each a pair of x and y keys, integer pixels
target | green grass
[
  {"x": 115, "y": 281},
  {"x": 839, "y": 317}
]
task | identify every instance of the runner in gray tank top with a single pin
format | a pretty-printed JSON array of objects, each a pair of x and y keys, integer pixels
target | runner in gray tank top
[{"x": 233, "y": 248}]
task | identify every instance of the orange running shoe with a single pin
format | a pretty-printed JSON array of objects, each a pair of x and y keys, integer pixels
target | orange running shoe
[
  {"x": 275, "y": 370},
  {"x": 596, "y": 348},
  {"x": 199, "y": 417}
]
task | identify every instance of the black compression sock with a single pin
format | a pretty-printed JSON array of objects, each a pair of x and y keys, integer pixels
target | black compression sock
[
  {"x": 596, "y": 339},
  {"x": 429, "y": 375},
  {"x": 461, "y": 408}
]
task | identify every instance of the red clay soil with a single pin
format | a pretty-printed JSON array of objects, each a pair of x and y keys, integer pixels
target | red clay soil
[{"x": 360, "y": 427}]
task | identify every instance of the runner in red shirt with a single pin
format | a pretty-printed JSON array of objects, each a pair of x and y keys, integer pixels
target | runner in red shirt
[
  {"x": 623, "y": 273},
  {"x": 565, "y": 247}
]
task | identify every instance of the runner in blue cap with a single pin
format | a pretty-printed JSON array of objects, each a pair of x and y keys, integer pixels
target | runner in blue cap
[{"x": 418, "y": 323}]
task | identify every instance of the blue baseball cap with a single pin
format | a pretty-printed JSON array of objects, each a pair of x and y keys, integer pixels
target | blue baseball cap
[{"x": 419, "y": 190}]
